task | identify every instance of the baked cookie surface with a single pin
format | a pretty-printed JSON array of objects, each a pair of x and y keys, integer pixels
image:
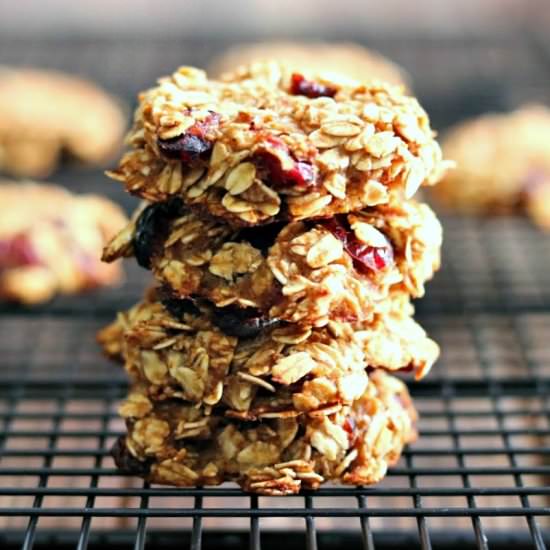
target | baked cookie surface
[
  {"x": 177, "y": 444},
  {"x": 267, "y": 144},
  {"x": 209, "y": 356},
  {"x": 309, "y": 272}
]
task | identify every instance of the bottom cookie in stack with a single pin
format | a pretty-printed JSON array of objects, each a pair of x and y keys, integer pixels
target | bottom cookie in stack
[
  {"x": 174, "y": 442},
  {"x": 274, "y": 406}
]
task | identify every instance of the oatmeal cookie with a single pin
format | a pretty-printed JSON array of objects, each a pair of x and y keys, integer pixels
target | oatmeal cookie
[
  {"x": 324, "y": 58},
  {"x": 51, "y": 241},
  {"x": 213, "y": 357},
  {"x": 267, "y": 144},
  {"x": 503, "y": 165},
  {"x": 308, "y": 272},
  {"x": 184, "y": 350},
  {"x": 45, "y": 113},
  {"x": 177, "y": 444}
]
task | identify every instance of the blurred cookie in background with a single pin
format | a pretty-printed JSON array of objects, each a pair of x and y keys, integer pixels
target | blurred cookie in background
[
  {"x": 344, "y": 58},
  {"x": 51, "y": 241},
  {"x": 503, "y": 165},
  {"x": 46, "y": 113}
]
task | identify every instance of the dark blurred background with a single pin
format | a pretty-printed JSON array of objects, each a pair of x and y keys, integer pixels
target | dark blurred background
[
  {"x": 263, "y": 18},
  {"x": 465, "y": 57}
]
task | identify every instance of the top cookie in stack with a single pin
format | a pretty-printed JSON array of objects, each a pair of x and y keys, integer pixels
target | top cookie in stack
[
  {"x": 265, "y": 145},
  {"x": 280, "y": 226}
]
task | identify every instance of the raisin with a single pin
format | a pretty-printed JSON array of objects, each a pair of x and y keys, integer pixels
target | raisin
[
  {"x": 151, "y": 229},
  {"x": 126, "y": 461},
  {"x": 176, "y": 306},
  {"x": 241, "y": 322},
  {"x": 179, "y": 308}
]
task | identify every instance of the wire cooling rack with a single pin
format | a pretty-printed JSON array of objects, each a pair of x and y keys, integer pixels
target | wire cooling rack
[{"x": 476, "y": 478}]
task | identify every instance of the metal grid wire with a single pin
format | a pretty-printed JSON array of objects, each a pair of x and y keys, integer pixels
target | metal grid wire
[{"x": 476, "y": 478}]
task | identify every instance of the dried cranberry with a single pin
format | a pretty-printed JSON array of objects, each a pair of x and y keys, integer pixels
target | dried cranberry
[
  {"x": 176, "y": 306},
  {"x": 300, "y": 86},
  {"x": 301, "y": 173},
  {"x": 193, "y": 143},
  {"x": 241, "y": 322},
  {"x": 373, "y": 258},
  {"x": 128, "y": 462},
  {"x": 18, "y": 251},
  {"x": 350, "y": 427},
  {"x": 337, "y": 228},
  {"x": 152, "y": 227}
]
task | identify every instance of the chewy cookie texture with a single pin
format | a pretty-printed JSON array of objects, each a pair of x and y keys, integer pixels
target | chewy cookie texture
[
  {"x": 311, "y": 272},
  {"x": 281, "y": 232},
  {"x": 207, "y": 356},
  {"x": 265, "y": 144},
  {"x": 50, "y": 241},
  {"x": 175, "y": 443}
]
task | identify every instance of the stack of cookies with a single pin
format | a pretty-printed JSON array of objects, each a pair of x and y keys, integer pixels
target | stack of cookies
[{"x": 279, "y": 226}]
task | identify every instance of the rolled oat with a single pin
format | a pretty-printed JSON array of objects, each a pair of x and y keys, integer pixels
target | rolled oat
[
  {"x": 174, "y": 443},
  {"x": 306, "y": 272}
]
